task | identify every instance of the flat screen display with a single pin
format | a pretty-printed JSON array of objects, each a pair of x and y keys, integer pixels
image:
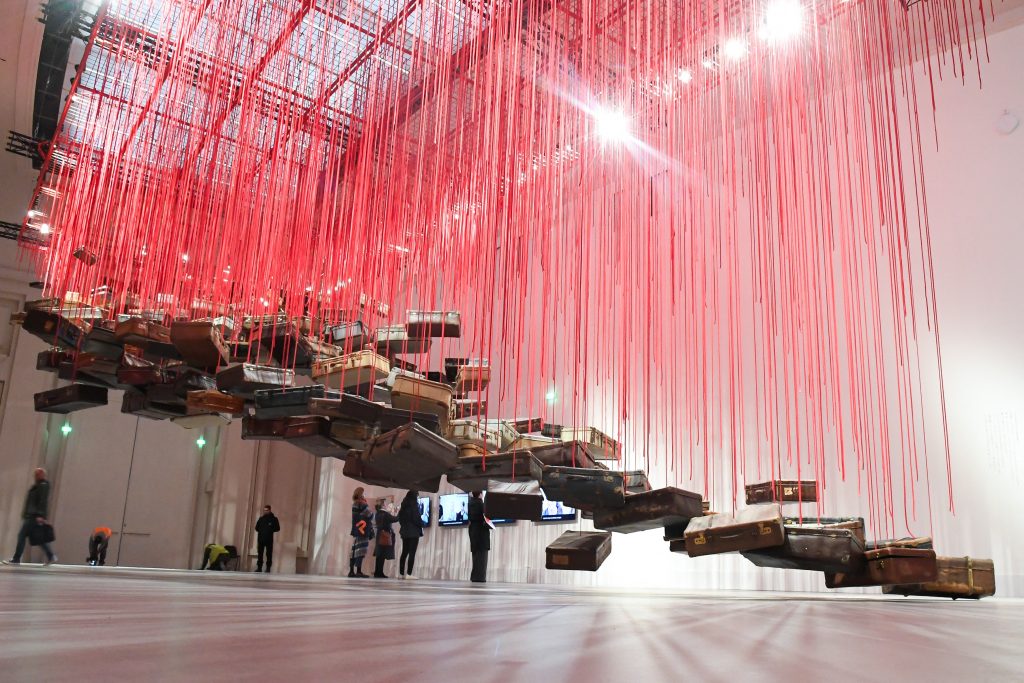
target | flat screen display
[
  {"x": 557, "y": 511},
  {"x": 424, "y": 503},
  {"x": 453, "y": 509}
]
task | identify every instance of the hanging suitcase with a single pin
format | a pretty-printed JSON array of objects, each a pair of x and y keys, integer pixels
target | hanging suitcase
[
  {"x": 758, "y": 526},
  {"x": 854, "y": 524},
  {"x": 53, "y": 328},
  {"x": 203, "y": 421},
  {"x": 394, "y": 340},
  {"x": 290, "y": 402},
  {"x": 69, "y": 399},
  {"x": 920, "y": 542},
  {"x": 423, "y": 324},
  {"x": 528, "y": 425},
  {"x": 474, "y": 470},
  {"x": 88, "y": 368},
  {"x": 347, "y": 407},
  {"x": 137, "y": 404},
  {"x": 411, "y": 452},
  {"x": 309, "y": 433},
  {"x": 356, "y": 369},
  {"x": 199, "y": 402},
  {"x": 185, "y": 379},
  {"x": 599, "y": 445},
  {"x": 157, "y": 352},
  {"x": 100, "y": 342},
  {"x": 421, "y": 395},
  {"x": 588, "y": 489},
  {"x": 782, "y": 492},
  {"x": 246, "y": 379},
  {"x": 813, "y": 548},
  {"x": 393, "y": 418},
  {"x": 49, "y": 361},
  {"x": 889, "y": 566},
  {"x": 958, "y": 577},
  {"x": 472, "y": 378},
  {"x": 201, "y": 344},
  {"x": 514, "y": 501},
  {"x": 350, "y": 336},
  {"x": 667, "y": 508},
  {"x": 138, "y": 372},
  {"x": 492, "y": 435},
  {"x": 527, "y": 442},
  {"x": 582, "y": 551},
  {"x": 353, "y": 434},
  {"x": 357, "y": 468},
  {"x": 464, "y": 408},
  {"x": 552, "y": 430},
  {"x": 562, "y": 454},
  {"x": 140, "y": 332},
  {"x": 451, "y": 368}
]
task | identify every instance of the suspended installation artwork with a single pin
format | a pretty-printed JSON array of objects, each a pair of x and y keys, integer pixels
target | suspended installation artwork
[{"x": 698, "y": 224}]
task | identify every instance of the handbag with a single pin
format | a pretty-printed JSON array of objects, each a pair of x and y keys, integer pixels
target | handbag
[
  {"x": 41, "y": 534},
  {"x": 385, "y": 538}
]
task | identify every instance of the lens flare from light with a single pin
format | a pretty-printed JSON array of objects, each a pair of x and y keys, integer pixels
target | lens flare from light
[
  {"x": 783, "y": 21},
  {"x": 612, "y": 125}
]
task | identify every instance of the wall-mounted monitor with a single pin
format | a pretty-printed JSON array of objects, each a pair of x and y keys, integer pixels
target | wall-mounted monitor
[
  {"x": 453, "y": 509},
  {"x": 557, "y": 511},
  {"x": 424, "y": 503}
]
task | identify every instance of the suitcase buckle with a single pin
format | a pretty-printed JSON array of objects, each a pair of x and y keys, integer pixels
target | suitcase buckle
[{"x": 700, "y": 540}]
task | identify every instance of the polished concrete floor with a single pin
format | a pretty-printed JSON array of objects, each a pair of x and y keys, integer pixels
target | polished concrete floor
[{"x": 104, "y": 624}]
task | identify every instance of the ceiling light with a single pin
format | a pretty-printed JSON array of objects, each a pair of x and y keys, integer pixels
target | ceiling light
[
  {"x": 684, "y": 75},
  {"x": 44, "y": 229},
  {"x": 184, "y": 257},
  {"x": 612, "y": 125},
  {"x": 550, "y": 396},
  {"x": 783, "y": 20},
  {"x": 707, "y": 63},
  {"x": 735, "y": 49}
]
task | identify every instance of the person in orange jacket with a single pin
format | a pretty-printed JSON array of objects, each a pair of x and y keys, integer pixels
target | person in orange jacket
[{"x": 98, "y": 541}]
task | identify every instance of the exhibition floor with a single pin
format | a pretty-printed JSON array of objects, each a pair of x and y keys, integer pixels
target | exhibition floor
[{"x": 99, "y": 624}]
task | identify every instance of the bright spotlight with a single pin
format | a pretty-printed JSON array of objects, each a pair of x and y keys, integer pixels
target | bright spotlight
[
  {"x": 44, "y": 229},
  {"x": 783, "y": 20},
  {"x": 612, "y": 125},
  {"x": 684, "y": 76},
  {"x": 735, "y": 49},
  {"x": 550, "y": 396}
]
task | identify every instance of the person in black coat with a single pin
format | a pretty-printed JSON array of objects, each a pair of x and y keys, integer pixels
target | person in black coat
[
  {"x": 266, "y": 527},
  {"x": 479, "y": 538},
  {"x": 385, "y": 548},
  {"x": 412, "y": 530},
  {"x": 37, "y": 503}
]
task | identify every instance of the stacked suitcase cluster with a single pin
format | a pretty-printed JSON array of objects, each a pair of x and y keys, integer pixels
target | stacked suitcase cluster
[{"x": 395, "y": 427}]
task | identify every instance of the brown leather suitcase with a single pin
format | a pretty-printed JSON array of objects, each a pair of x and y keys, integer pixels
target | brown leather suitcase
[
  {"x": 357, "y": 468},
  {"x": 921, "y": 542},
  {"x": 589, "y": 489},
  {"x": 425, "y": 324},
  {"x": 138, "y": 372},
  {"x": 201, "y": 344},
  {"x": 49, "y": 361},
  {"x": 582, "y": 551},
  {"x": 310, "y": 433},
  {"x": 472, "y": 378},
  {"x": 421, "y": 395},
  {"x": 348, "y": 407},
  {"x": 69, "y": 399},
  {"x": 563, "y": 455},
  {"x": 353, "y": 434},
  {"x": 411, "y": 452},
  {"x": 781, "y": 491},
  {"x": 958, "y": 577},
  {"x": 527, "y": 425},
  {"x": 889, "y": 565},
  {"x": 758, "y": 526},
  {"x": 854, "y": 524},
  {"x": 599, "y": 445},
  {"x": 473, "y": 472},
  {"x": 514, "y": 501},
  {"x": 53, "y": 328},
  {"x": 199, "y": 402},
  {"x": 667, "y": 507},
  {"x": 245, "y": 379},
  {"x": 157, "y": 352},
  {"x": 88, "y": 368},
  {"x": 813, "y": 548},
  {"x": 140, "y": 332}
]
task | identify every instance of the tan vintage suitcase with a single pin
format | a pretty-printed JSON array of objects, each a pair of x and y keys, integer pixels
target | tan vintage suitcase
[
  {"x": 140, "y": 332},
  {"x": 526, "y": 442},
  {"x": 352, "y": 370},
  {"x": 200, "y": 343},
  {"x": 598, "y": 444},
  {"x": 421, "y": 395},
  {"x": 754, "y": 527},
  {"x": 479, "y": 432},
  {"x": 472, "y": 378},
  {"x": 958, "y": 577},
  {"x": 201, "y": 402}
]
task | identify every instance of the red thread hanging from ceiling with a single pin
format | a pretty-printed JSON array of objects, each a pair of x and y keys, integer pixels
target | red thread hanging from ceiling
[{"x": 700, "y": 223}]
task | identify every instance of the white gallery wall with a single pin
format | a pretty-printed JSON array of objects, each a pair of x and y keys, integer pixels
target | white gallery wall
[{"x": 165, "y": 497}]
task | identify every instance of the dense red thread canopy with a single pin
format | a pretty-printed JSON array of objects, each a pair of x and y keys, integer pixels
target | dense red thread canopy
[{"x": 699, "y": 225}]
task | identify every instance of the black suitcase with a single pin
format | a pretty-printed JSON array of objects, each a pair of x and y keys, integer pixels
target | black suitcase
[
  {"x": 514, "y": 501},
  {"x": 64, "y": 400},
  {"x": 393, "y": 418},
  {"x": 290, "y": 402},
  {"x": 474, "y": 472},
  {"x": 86, "y": 368},
  {"x": 346, "y": 407},
  {"x": 135, "y": 403},
  {"x": 579, "y": 551},
  {"x": 156, "y": 352},
  {"x": 571, "y": 454},
  {"x": 185, "y": 379},
  {"x": 350, "y": 336},
  {"x": 357, "y": 468},
  {"x": 813, "y": 548},
  {"x": 245, "y": 379},
  {"x": 49, "y": 361},
  {"x": 670, "y": 508},
  {"x": 552, "y": 431},
  {"x": 589, "y": 489},
  {"x": 310, "y": 433},
  {"x": 102, "y": 343},
  {"x": 53, "y": 329},
  {"x": 451, "y": 368},
  {"x": 468, "y": 407}
]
